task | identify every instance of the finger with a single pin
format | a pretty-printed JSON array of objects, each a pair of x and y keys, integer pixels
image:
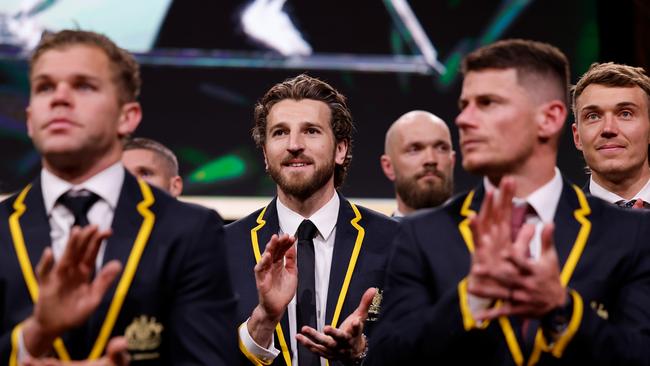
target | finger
[
  {"x": 70, "y": 248},
  {"x": 283, "y": 243},
  {"x": 103, "y": 281},
  {"x": 317, "y": 337},
  {"x": 92, "y": 248},
  {"x": 45, "y": 264},
  {"x": 290, "y": 259},
  {"x": 78, "y": 250},
  {"x": 492, "y": 291},
  {"x": 494, "y": 312},
  {"x": 341, "y": 336},
  {"x": 117, "y": 351},
  {"x": 366, "y": 301},
  {"x": 318, "y": 349},
  {"x": 548, "y": 243}
]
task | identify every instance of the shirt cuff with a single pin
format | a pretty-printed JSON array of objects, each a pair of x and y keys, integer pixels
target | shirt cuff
[
  {"x": 253, "y": 351},
  {"x": 470, "y": 305},
  {"x": 22, "y": 351}
]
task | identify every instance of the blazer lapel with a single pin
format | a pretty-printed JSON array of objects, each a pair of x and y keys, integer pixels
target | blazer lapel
[
  {"x": 35, "y": 224},
  {"x": 265, "y": 225},
  {"x": 566, "y": 225},
  {"x": 344, "y": 243}
]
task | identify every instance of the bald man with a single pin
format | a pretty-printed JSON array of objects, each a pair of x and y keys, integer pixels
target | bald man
[{"x": 419, "y": 159}]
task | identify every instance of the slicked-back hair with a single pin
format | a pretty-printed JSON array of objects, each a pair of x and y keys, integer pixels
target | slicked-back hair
[
  {"x": 161, "y": 151},
  {"x": 126, "y": 72},
  {"x": 529, "y": 58},
  {"x": 612, "y": 75},
  {"x": 306, "y": 87}
]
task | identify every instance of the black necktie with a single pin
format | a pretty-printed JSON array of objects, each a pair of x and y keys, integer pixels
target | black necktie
[
  {"x": 306, "y": 295},
  {"x": 79, "y": 203}
]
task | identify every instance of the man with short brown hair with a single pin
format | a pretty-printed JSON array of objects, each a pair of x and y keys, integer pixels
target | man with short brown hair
[
  {"x": 525, "y": 269},
  {"x": 307, "y": 302},
  {"x": 153, "y": 162},
  {"x": 90, "y": 222},
  {"x": 611, "y": 106}
]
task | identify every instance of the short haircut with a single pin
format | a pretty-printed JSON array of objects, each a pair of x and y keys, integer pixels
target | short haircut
[
  {"x": 126, "y": 72},
  {"x": 307, "y": 87},
  {"x": 530, "y": 59},
  {"x": 613, "y": 75},
  {"x": 166, "y": 155}
]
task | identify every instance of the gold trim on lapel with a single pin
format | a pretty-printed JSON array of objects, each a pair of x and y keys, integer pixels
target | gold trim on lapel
[
  {"x": 580, "y": 215},
  {"x": 463, "y": 226},
  {"x": 256, "y": 251},
  {"x": 125, "y": 280}
]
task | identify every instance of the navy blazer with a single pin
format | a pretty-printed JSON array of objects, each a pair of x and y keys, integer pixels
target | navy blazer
[
  {"x": 361, "y": 247},
  {"x": 604, "y": 258},
  {"x": 175, "y": 305}
]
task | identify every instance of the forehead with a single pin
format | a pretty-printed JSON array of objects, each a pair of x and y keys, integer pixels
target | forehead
[
  {"x": 140, "y": 157},
  {"x": 71, "y": 60},
  {"x": 422, "y": 130},
  {"x": 597, "y": 95},
  {"x": 289, "y": 111},
  {"x": 490, "y": 81}
]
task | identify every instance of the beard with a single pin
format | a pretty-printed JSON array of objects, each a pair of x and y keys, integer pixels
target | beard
[
  {"x": 302, "y": 186},
  {"x": 426, "y": 195}
]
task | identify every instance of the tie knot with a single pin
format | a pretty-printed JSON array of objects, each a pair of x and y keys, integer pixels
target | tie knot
[
  {"x": 628, "y": 204},
  {"x": 306, "y": 231},
  {"x": 79, "y": 203}
]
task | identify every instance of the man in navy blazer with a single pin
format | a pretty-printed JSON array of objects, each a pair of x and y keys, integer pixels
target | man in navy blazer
[
  {"x": 148, "y": 271},
  {"x": 304, "y": 128},
  {"x": 468, "y": 284},
  {"x": 611, "y": 108}
]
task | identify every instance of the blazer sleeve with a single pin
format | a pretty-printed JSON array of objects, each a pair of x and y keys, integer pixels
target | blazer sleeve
[
  {"x": 415, "y": 323},
  {"x": 622, "y": 335},
  {"x": 203, "y": 315}
]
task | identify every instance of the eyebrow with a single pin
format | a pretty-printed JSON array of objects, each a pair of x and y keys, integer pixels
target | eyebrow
[{"x": 593, "y": 107}]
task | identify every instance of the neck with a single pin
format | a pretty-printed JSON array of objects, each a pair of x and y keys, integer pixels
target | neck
[
  {"x": 538, "y": 170},
  {"x": 628, "y": 186},
  {"x": 403, "y": 207},
  {"x": 307, "y": 207},
  {"x": 78, "y": 170}
]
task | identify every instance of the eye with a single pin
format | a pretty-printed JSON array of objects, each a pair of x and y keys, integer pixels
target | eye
[
  {"x": 43, "y": 87},
  {"x": 412, "y": 149},
  {"x": 144, "y": 173},
  {"x": 484, "y": 102},
  {"x": 626, "y": 114},
  {"x": 84, "y": 86},
  {"x": 593, "y": 116},
  {"x": 278, "y": 132},
  {"x": 442, "y": 148},
  {"x": 312, "y": 130}
]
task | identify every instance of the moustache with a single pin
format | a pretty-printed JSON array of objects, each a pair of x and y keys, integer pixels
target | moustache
[
  {"x": 430, "y": 170},
  {"x": 303, "y": 158}
]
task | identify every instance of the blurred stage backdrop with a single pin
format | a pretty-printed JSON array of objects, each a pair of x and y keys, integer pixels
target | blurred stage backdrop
[{"x": 205, "y": 63}]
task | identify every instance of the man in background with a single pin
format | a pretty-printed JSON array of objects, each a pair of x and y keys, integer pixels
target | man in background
[
  {"x": 419, "y": 159},
  {"x": 611, "y": 106},
  {"x": 153, "y": 162}
]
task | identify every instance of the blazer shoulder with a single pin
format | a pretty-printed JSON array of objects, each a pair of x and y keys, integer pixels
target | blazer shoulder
[{"x": 244, "y": 223}]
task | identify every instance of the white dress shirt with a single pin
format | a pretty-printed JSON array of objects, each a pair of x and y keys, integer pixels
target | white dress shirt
[
  {"x": 597, "y": 190},
  {"x": 325, "y": 221},
  {"x": 544, "y": 201},
  {"x": 107, "y": 185}
]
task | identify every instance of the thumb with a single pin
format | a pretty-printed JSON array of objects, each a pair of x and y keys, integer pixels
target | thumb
[{"x": 364, "y": 304}]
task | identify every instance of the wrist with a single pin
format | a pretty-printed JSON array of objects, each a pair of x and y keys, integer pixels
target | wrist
[
  {"x": 37, "y": 338},
  {"x": 261, "y": 326},
  {"x": 555, "y": 321},
  {"x": 360, "y": 355}
]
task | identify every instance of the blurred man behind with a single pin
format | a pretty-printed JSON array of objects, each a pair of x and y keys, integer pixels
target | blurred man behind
[
  {"x": 153, "y": 162},
  {"x": 419, "y": 159}
]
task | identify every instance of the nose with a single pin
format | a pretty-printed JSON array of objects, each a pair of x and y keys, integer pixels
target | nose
[
  {"x": 465, "y": 118},
  {"x": 296, "y": 142},
  {"x": 430, "y": 156},
  {"x": 62, "y": 94},
  {"x": 610, "y": 126}
]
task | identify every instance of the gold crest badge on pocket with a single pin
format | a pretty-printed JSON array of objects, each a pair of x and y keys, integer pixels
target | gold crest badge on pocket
[
  {"x": 375, "y": 306},
  {"x": 143, "y": 337},
  {"x": 600, "y": 310}
]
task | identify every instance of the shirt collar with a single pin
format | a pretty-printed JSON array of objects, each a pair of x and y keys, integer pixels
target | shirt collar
[
  {"x": 324, "y": 219},
  {"x": 597, "y": 190},
  {"x": 544, "y": 199},
  {"x": 107, "y": 184}
]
